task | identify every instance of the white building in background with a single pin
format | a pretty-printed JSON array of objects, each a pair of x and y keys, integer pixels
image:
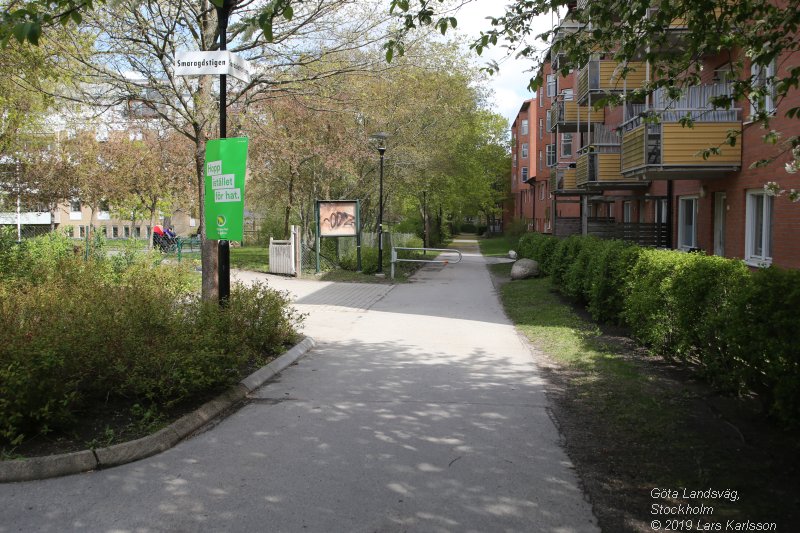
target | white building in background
[{"x": 72, "y": 215}]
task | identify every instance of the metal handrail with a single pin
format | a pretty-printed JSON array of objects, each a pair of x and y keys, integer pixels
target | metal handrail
[{"x": 395, "y": 259}]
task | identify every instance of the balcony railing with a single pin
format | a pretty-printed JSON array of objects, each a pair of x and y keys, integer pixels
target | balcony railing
[
  {"x": 570, "y": 116},
  {"x": 656, "y": 140},
  {"x": 563, "y": 179},
  {"x": 598, "y": 167},
  {"x": 606, "y": 77}
]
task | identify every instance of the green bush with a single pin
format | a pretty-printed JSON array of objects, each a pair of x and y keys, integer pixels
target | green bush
[
  {"x": 564, "y": 253},
  {"x": 94, "y": 335},
  {"x": 761, "y": 328},
  {"x": 577, "y": 278},
  {"x": 538, "y": 246},
  {"x": 608, "y": 272},
  {"x": 702, "y": 291},
  {"x": 650, "y": 309},
  {"x": 468, "y": 228},
  {"x": 738, "y": 328}
]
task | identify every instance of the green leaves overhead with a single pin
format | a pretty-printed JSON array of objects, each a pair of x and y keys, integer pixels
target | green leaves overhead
[
  {"x": 27, "y": 21},
  {"x": 274, "y": 9}
]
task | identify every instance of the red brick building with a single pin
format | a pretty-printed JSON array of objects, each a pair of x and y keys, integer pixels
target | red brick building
[
  {"x": 523, "y": 146},
  {"x": 614, "y": 174}
]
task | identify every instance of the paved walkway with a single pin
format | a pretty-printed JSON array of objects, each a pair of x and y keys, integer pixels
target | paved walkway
[{"x": 419, "y": 410}]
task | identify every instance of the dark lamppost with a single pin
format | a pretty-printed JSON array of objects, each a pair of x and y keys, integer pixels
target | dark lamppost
[
  {"x": 224, "y": 247},
  {"x": 381, "y": 139}
]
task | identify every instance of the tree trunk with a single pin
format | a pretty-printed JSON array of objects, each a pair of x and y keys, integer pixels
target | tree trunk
[
  {"x": 208, "y": 247},
  {"x": 288, "y": 211}
]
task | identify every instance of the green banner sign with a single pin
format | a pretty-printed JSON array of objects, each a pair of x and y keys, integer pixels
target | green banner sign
[{"x": 226, "y": 165}]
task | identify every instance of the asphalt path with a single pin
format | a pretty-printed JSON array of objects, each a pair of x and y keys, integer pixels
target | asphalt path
[{"x": 420, "y": 409}]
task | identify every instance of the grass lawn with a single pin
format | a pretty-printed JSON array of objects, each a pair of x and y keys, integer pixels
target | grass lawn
[
  {"x": 251, "y": 258},
  {"x": 254, "y": 258},
  {"x": 498, "y": 246},
  {"x": 633, "y": 422}
]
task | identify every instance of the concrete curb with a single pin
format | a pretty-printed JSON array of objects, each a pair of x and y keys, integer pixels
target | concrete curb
[{"x": 127, "y": 452}]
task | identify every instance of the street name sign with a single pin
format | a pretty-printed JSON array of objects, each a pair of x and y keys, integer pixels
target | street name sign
[{"x": 218, "y": 62}]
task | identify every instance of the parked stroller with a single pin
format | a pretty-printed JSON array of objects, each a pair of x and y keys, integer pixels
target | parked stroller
[{"x": 164, "y": 239}]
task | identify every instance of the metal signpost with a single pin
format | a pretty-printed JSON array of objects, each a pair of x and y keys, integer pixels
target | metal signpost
[{"x": 220, "y": 222}]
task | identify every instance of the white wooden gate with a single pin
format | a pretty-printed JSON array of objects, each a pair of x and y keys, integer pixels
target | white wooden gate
[{"x": 283, "y": 255}]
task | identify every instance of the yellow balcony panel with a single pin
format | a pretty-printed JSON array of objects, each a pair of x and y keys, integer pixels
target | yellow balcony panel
[
  {"x": 671, "y": 151},
  {"x": 680, "y": 146},
  {"x": 567, "y": 179},
  {"x": 602, "y": 170},
  {"x": 606, "y": 76},
  {"x": 582, "y": 170},
  {"x": 563, "y": 179},
  {"x": 633, "y": 149},
  {"x": 570, "y": 116}
]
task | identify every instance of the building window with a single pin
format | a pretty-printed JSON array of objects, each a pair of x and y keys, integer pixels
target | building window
[
  {"x": 541, "y": 128},
  {"x": 763, "y": 80},
  {"x": 627, "y": 212},
  {"x": 82, "y": 231},
  {"x": 524, "y": 150},
  {"x": 514, "y": 160},
  {"x": 541, "y": 191},
  {"x": 137, "y": 232},
  {"x": 103, "y": 211},
  {"x": 524, "y": 174},
  {"x": 540, "y": 160},
  {"x": 75, "y": 209},
  {"x": 567, "y": 94},
  {"x": 540, "y": 97},
  {"x": 115, "y": 232},
  {"x": 524, "y": 127},
  {"x": 661, "y": 211},
  {"x": 758, "y": 229},
  {"x": 687, "y": 223},
  {"x": 551, "y": 85},
  {"x": 566, "y": 145},
  {"x": 549, "y": 122},
  {"x": 551, "y": 155}
]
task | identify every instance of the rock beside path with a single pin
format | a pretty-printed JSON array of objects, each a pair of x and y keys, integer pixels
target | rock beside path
[{"x": 524, "y": 269}]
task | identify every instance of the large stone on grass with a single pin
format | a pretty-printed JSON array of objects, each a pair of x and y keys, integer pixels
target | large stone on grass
[{"x": 524, "y": 269}]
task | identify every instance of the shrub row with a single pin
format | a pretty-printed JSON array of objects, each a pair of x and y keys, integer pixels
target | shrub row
[
  {"x": 739, "y": 326},
  {"x": 122, "y": 330}
]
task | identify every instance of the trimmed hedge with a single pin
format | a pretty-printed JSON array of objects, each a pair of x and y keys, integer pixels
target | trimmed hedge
[
  {"x": 739, "y": 327},
  {"x": 125, "y": 330}
]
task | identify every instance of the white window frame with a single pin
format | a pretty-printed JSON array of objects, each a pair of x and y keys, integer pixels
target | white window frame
[
  {"x": 762, "y": 76},
  {"x": 540, "y": 160},
  {"x": 758, "y": 230},
  {"x": 514, "y": 160},
  {"x": 627, "y": 211},
  {"x": 551, "y": 85},
  {"x": 75, "y": 209},
  {"x": 103, "y": 211},
  {"x": 540, "y": 97},
  {"x": 524, "y": 175},
  {"x": 550, "y": 151},
  {"x": 567, "y": 95},
  {"x": 683, "y": 201},
  {"x": 541, "y": 128},
  {"x": 564, "y": 143},
  {"x": 524, "y": 150},
  {"x": 524, "y": 127},
  {"x": 541, "y": 191}
]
